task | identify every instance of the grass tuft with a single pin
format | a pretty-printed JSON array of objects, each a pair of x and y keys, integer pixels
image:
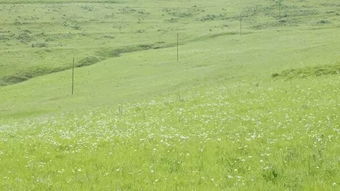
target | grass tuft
[{"x": 332, "y": 69}]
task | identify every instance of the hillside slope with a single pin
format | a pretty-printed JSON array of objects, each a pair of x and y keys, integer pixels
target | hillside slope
[{"x": 246, "y": 107}]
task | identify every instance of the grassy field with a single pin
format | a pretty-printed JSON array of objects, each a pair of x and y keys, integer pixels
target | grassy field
[{"x": 252, "y": 104}]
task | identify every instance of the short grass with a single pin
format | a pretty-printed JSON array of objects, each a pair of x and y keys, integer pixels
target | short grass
[
  {"x": 272, "y": 136},
  {"x": 251, "y": 111},
  {"x": 43, "y": 36},
  {"x": 321, "y": 70}
]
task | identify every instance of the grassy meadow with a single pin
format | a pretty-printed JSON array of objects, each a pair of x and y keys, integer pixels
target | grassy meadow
[{"x": 253, "y": 103}]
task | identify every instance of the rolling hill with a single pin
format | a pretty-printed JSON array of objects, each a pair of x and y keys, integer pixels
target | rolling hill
[{"x": 252, "y": 103}]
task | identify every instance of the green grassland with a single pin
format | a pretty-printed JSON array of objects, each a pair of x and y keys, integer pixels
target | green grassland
[{"x": 256, "y": 109}]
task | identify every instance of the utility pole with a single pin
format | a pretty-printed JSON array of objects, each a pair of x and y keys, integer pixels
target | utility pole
[
  {"x": 177, "y": 47},
  {"x": 240, "y": 23},
  {"x": 280, "y": 3},
  {"x": 73, "y": 76}
]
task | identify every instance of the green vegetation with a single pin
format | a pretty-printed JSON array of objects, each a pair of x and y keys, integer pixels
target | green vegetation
[
  {"x": 251, "y": 111},
  {"x": 333, "y": 69}
]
